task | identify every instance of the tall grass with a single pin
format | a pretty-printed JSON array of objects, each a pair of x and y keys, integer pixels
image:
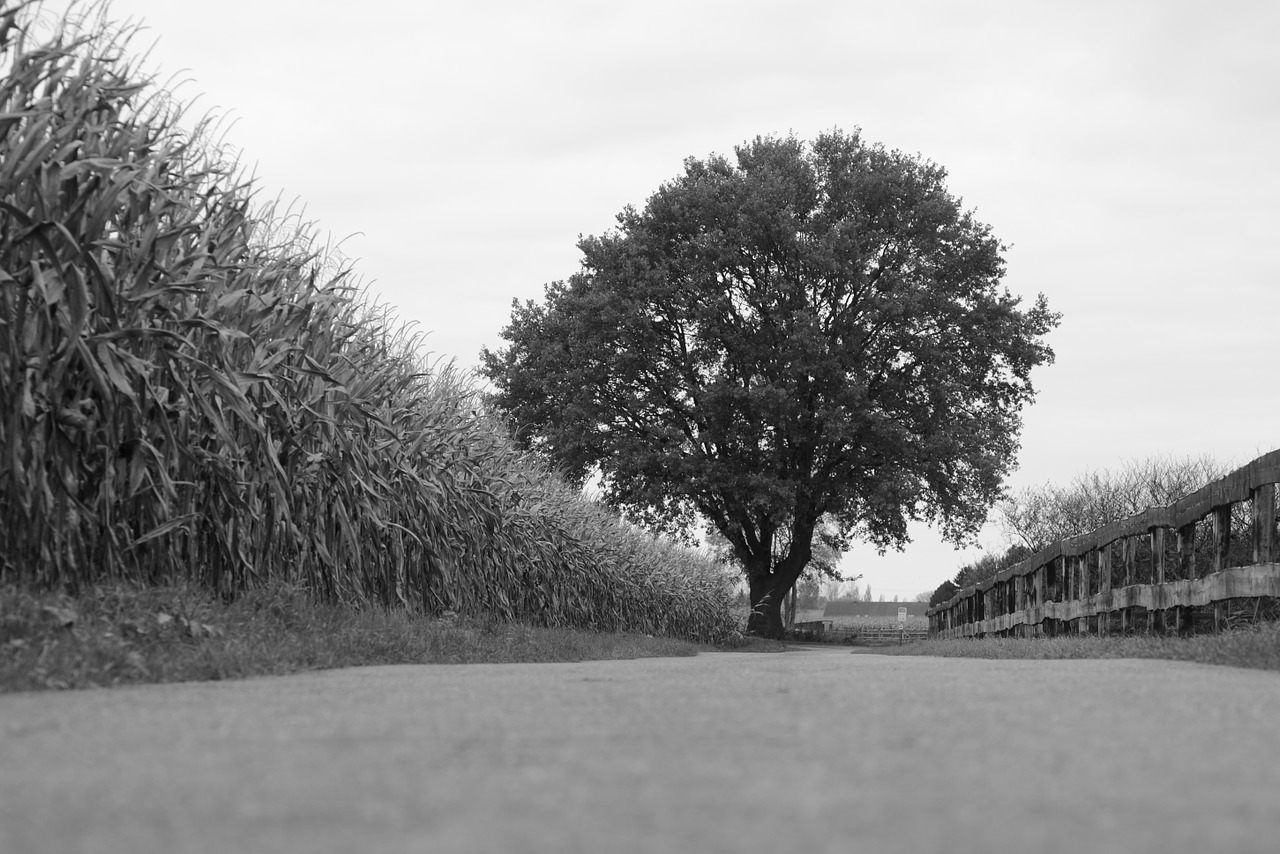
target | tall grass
[
  {"x": 115, "y": 635},
  {"x": 191, "y": 389}
]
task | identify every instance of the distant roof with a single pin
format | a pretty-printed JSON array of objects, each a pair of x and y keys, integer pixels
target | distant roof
[{"x": 849, "y": 608}]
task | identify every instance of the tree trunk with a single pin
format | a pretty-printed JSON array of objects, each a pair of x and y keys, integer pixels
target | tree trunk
[
  {"x": 769, "y": 583},
  {"x": 769, "y": 589},
  {"x": 766, "y": 606}
]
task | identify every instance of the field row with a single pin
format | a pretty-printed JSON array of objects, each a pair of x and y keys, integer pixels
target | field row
[{"x": 194, "y": 391}]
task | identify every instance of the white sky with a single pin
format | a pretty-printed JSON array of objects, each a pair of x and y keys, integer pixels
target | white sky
[{"x": 1127, "y": 150}]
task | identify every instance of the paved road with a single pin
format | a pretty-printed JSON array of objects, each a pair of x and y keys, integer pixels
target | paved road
[{"x": 808, "y": 751}]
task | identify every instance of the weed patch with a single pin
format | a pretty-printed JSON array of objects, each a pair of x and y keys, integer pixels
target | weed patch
[{"x": 122, "y": 635}]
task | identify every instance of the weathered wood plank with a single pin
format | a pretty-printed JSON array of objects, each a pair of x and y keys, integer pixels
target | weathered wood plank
[{"x": 1241, "y": 582}]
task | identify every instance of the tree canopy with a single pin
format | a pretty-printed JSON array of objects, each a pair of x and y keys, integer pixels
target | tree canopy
[
  {"x": 806, "y": 329},
  {"x": 944, "y": 591}
]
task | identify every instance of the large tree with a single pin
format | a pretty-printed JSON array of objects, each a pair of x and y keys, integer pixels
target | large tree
[{"x": 806, "y": 329}]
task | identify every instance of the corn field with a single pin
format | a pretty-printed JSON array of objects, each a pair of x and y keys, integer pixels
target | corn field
[{"x": 191, "y": 388}]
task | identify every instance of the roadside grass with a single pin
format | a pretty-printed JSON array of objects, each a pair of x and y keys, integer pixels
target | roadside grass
[
  {"x": 121, "y": 635},
  {"x": 1256, "y": 646}
]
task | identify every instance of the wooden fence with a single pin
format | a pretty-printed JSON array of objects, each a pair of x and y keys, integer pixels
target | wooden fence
[
  {"x": 827, "y": 631},
  {"x": 1165, "y": 568},
  {"x": 879, "y": 634}
]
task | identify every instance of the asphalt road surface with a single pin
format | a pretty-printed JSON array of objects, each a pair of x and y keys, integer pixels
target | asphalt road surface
[{"x": 804, "y": 751}]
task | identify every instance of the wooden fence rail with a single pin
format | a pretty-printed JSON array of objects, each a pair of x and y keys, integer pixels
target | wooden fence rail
[
  {"x": 1165, "y": 565},
  {"x": 827, "y": 630},
  {"x": 880, "y": 634}
]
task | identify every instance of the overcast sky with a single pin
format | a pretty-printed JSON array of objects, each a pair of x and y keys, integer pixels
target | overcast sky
[{"x": 1127, "y": 151}]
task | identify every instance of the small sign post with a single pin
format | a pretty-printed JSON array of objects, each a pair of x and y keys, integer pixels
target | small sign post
[{"x": 902, "y": 625}]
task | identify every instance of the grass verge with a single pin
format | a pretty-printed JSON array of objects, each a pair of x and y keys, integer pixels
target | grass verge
[
  {"x": 1255, "y": 646},
  {"x": 121, "y": 635}
]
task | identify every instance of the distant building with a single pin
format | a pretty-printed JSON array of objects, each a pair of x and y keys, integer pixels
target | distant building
[{"x": 847, "y": 608}]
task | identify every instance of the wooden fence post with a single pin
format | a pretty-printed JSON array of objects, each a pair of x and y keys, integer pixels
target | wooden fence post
[
  {"x": 1068, "y": 589},
  {"x": 1104, "y": 587},
  {"x": 1056, "y": 580},
  {"x": 997, "y": 602},
  {"x": 1157, "y": 572},
  {"x": 1221, "y": 536},
  {"x": 1221, "y": 517},
  {"x": 1264, "y": 523},
  {"x": 1221, "y": 558},
  {"x": 1128, "y": 555},
  {"x": 1157, "y": 554},
  {"x": 1041, "y": 572},
  {"x": 1082, "y": 564},
  {"x": 1020, "y": 603},
  {"x": 1187, "y": 551},
  {"x": 1186, "y": 569}
]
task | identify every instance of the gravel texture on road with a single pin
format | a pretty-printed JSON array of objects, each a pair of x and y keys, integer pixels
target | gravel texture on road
[{"x": 809, "y": 751}]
